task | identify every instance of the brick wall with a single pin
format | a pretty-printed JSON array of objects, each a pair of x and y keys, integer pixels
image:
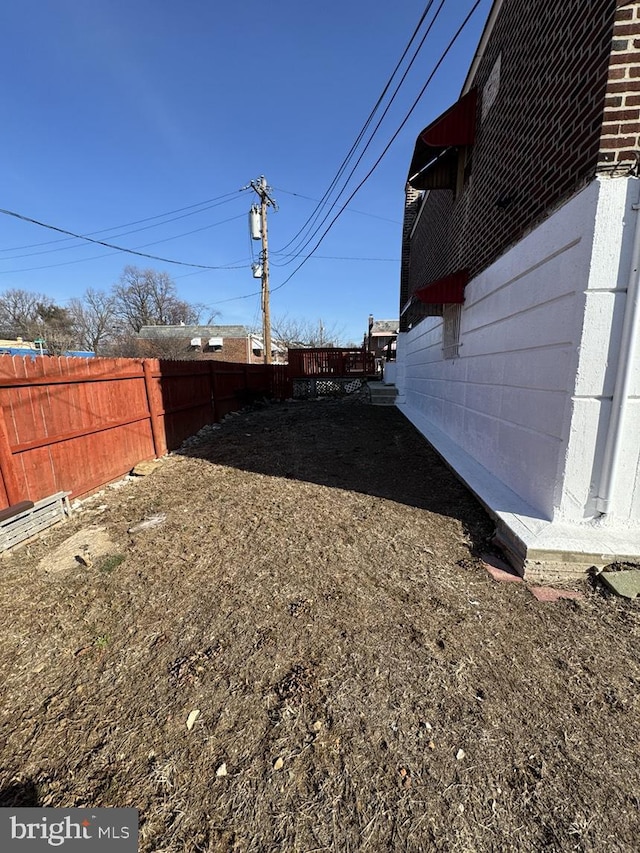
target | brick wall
[
  {"x": 620, "y": 138},
  {"x": 428, "y": 258},
  {"x": 233, "y": 349},
  {"x": 542, "y": 137},
  {"x": 411, "y": 207}
]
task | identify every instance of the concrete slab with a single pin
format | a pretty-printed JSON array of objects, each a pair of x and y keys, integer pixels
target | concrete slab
[{"x": 625, "y": 583}]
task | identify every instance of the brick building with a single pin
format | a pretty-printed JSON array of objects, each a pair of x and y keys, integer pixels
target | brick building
[
  {"x": 219, "y": 343},
  {"x": 520, "y": 247}
]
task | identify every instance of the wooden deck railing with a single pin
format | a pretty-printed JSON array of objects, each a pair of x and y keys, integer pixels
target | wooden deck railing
[{"x": 330, "y": 362}]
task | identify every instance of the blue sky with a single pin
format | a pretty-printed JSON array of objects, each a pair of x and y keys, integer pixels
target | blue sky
[{"x": 115, "y": 111}]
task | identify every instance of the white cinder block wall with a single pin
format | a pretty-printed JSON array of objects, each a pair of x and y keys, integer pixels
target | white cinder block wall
[
  {"x": 606, "y": 301},
  {"x": 530, "y": 393}
]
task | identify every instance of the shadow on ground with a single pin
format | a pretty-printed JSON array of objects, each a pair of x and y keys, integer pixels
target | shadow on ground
[
  {"x": 343, "y": 444},
  {"x": 19, "y": 795}
]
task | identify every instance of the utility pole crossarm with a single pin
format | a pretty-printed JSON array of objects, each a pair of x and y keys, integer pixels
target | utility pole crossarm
[{"x": 263, "y": 190}]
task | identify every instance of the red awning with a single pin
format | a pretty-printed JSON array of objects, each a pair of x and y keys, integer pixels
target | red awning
[
  {"x": 444, "y": 291},
  {"x": 454, "y": 128}
]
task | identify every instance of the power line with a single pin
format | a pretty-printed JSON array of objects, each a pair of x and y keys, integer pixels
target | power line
[
  {"x": 99, "y": 243},
  {"x": 125, "y": 233},
  {"x": 337, "y": 258},
  {"x": 228, "y": 196},
  {"x": 388, "y": 145},
  {"x": 351, "y": 209},
  {"x": 297, "y": 251},
  {"x": 241, "y": 265},
  {"x": 136, "y": 231},
  {"x": 417, "y": 100},
  {"x": 363, "y": 130}
]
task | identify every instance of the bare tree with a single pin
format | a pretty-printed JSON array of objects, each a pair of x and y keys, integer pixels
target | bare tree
[
  {"x": 105, "y": 323},
  {"x": 293, "y": 331},
  {"x": 124, "y": 345},
  {"x": 149, "y": 298},
  {"x": 94, "y": 319},
  {"x": 203, "y": 313},
  {"x": 19, "y": 312},
  {"x": 34, "y": 316}
]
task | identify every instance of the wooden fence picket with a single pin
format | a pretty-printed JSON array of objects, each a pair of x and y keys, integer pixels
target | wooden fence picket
[{"x": 74, "y": 424}]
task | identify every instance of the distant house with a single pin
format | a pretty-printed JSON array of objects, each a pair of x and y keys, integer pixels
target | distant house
[
  {"x": 381, "y": 338},
  {"x": 517, "y": 354},
  {"x": 32, "y": 349},
  {"x": 18, "y": 346},
  {"x": 220, "y": 343}
]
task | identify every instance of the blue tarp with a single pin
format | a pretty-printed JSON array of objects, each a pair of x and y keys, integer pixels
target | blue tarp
[{"x": 36, "y": 353}]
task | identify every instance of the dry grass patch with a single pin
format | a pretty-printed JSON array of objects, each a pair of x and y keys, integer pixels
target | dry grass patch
[{"x": 314, "y": 591}]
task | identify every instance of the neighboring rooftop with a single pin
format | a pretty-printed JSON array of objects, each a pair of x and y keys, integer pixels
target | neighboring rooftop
[
  {"x": 384, "y": 327},
  {"x": 193, "y": 331}
]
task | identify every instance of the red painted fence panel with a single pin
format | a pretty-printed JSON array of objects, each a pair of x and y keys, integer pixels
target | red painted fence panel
[{"x": 72, "y": 424}]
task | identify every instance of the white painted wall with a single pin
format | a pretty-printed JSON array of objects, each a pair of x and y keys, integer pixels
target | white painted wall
[
  {"x": 530, "y": 394},
  {"x": 599, "y": 344}
]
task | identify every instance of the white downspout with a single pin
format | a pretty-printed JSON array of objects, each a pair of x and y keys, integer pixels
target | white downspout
[{"x": 626, "y": 361}]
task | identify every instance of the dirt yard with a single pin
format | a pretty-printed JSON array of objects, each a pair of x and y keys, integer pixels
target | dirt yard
[{"x": 284, "y": 639}]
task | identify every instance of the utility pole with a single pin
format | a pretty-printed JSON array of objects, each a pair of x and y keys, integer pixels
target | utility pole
[{"x": 263, "y": 191}]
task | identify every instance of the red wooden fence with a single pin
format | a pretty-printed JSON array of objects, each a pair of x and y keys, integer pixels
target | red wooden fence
[
  {"x": 74, "y": 424},
  {"x": 330, "y": 361}
]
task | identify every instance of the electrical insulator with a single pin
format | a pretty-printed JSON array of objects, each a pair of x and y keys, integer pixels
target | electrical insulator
[{"x": 255, "y": 226}]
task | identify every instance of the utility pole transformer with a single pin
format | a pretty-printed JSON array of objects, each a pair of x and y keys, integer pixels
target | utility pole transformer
[{"x": 260, "y": 186}]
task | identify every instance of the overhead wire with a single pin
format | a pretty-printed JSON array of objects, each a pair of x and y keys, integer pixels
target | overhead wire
[
  {"x": 322, "y": 203},
  {"x": 100, "y": 243},
  {"x": 299, "y": 249},
  {"x": 351, "y": 209},
  {"x": 126, "y": 233},
  {"x": 388, "y": 145},
  {"x": 229, "y": 196},
  {"x": 415, "y": 103}
]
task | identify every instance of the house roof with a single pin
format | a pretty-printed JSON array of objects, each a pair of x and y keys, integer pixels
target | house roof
[
  {"x": 385, "y": 327},
  {"x": 276, "y": 346},
  {"x": 193, "y": 331}
]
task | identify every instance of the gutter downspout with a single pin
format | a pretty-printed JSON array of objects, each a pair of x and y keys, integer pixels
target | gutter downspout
[{"x": 626, "y": 360}]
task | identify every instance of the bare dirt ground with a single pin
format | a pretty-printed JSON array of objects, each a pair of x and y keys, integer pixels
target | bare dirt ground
[{"x": 307, "y": 578}]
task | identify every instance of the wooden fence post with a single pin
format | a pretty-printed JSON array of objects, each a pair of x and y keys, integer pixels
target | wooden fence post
[
  {"x": 7, "y": 465},
  {"x": 157, "y": 431},
  {"x": 214, "y": 390}
]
